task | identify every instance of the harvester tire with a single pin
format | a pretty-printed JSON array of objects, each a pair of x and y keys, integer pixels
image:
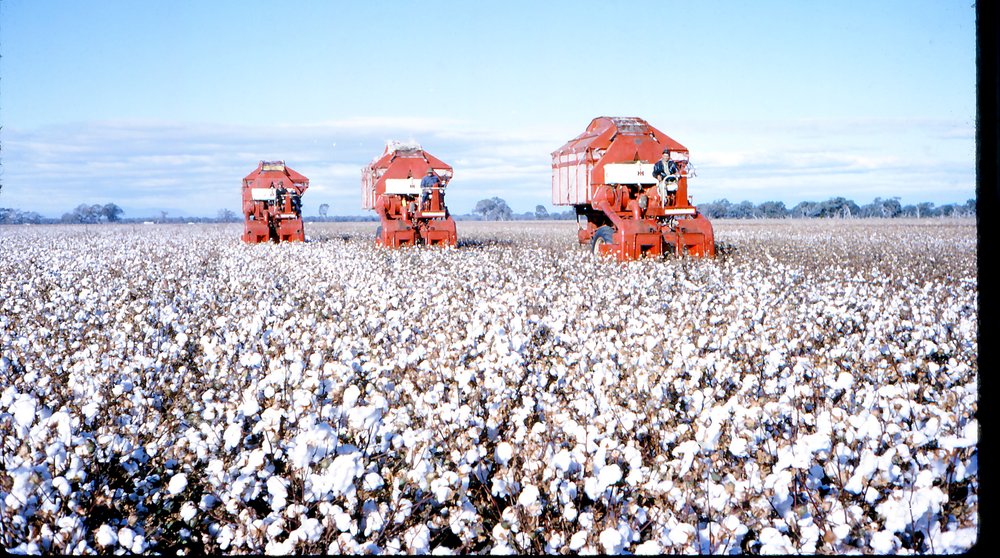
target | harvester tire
[
  {"x": 603, "y": 235},
  {"x": 378, "y": 232}
]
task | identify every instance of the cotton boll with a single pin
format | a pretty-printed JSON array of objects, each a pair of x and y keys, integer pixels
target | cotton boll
[
  {"x": 504, "y": 452},
  {"x": 528, "y": 496},
  {"x": 232, "y": 436},
  {"x": 277, "y": 487},
  {"x": 649, "y": 548},
  {"x": 188, "y": 512},
  {"x": 612, "y": 541},
  {"x": 577, "y": 541},
  {"x": 177, "y": 484},
  {"x": 106, "y": 536}
]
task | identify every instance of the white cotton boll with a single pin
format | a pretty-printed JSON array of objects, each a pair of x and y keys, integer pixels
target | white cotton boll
[
  {"x": 687, "y": 451},
  {"x": 681, "y": 533},
  {"x": 10, "y": 394},
  {"x": 125, "y": 537},
  {"x": 138, "y": 544},
  {"x": 956, "y": 542},
  {"x": 188, "y": 512},
  {"x": 232, "y": 436},
  {"x": 504, "y": 453},
  {"x": 649, "y": 548},
  {"x": 774, "y": 542},
  {"x": 250, "y": 407},
  {"x": 844, "y": 381},
  {"x": 418, "y": 539},
  {"x": 733, "y": 524},
  {"x": 868, "y": 464},
  {"x": 254, "y": 360},
  {"x": 177, "y": 484},
  {"x": 569, "y": 512},
  {"x": 738, "y": 447},
  {"x": 277, "y": 487},
  {"x": 373, "y": 481},
  {"x": 283, "y": 548},
  {"x": 609, "y": 475},
  {"x": 364, "y": 417},
  {"x": 894, "y": 512},
  {"x": 90, "y": 409},
  {"x": 562, "y": 461},
  {"x": 106, "y": 536},
  {"x": 339, "y": 477},
  {"x": 577, "y": 541},
  {"x": 62, "y": 486},
  {"x": 592, "y": 488},
  {"x": 528, "y": 496},
  {"x": 351, "y": 395},
  {"x": 499, "y": 487},
  {"x": 441, "y": 490},
  {"x": 612, "y": 541},
  {"x": 23, "y": 410},
  {"x": 841, "y": 531},
  {"x": 311, "y": 530}
]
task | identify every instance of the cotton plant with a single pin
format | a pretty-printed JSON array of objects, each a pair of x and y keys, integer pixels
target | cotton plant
[{"x": 812, "y": 390}]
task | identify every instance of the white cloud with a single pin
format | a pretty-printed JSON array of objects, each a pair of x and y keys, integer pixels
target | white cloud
[{"x": 196, "y": 169}]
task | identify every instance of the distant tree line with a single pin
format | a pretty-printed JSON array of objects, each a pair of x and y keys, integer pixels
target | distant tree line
[
  {"x": 497, "y": 209},
  {"x": 834, "y": 207},
  {"x": 96, "y": 213}
]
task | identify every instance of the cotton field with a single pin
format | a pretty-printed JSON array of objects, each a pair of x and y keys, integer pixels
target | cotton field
[{"x": 168, "y": 389}]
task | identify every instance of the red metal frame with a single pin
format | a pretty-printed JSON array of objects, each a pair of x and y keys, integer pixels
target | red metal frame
[
  {"x": 272, "y": 208},
  {"x": 390, "y": 186},
  {"x": 626, "y": 216}
]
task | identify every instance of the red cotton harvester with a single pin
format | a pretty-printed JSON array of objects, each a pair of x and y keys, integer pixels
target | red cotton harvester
[
  {"x": 272, "y": 203},
  {"x": 405, "y": 186},
  {"x": 607, "y": 174}
]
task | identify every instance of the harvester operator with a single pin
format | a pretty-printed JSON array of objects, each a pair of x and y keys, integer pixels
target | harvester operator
[
  {"x": 665, "y": 172},
  {"x": 429, "y": 182}
]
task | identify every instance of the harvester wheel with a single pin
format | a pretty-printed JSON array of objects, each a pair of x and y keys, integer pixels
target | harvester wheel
[
  {"x": 378, "y": 232},
  {"x": 603, "y": 235}
]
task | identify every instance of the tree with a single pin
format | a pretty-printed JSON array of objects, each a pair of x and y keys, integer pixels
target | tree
[
  {"x": 227, "y": 216},
  {"x": 485, "y": 207},
  {"x": 83, "y": 213},
  {"x": 715, "y": 210},
  {"x": 112, "y": 212},
  {"x": 541, "y": 213},
  {"x": 494, "y": 209},
  {"x": 323, "y": 209},
  {"x": 501, "y": 211},
  {"x": 10, "y": 216},
  {"x": 804, "y": 209},
  {"x": 742, "y": 210},
  {"x": 837, "y": 207},
  {"x": 773, "y": 210}
]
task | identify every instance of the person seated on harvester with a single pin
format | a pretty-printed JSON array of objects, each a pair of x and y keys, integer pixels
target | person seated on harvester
[
  {"x": 428, "y": 183},
  {"x": 665, "y": 172}
]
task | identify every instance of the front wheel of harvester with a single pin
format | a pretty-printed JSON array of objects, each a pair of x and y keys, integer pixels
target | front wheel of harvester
[{"x": 603, "y": 235}]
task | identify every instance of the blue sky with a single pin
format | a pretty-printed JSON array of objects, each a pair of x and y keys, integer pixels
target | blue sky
[{"x": 166, "y": 105}]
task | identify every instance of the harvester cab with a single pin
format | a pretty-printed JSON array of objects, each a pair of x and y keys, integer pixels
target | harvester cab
[
  {"x": 272, "y": 203},
  {"x": 628, "y": 183},
  {"x": 406, "y": 186}
]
